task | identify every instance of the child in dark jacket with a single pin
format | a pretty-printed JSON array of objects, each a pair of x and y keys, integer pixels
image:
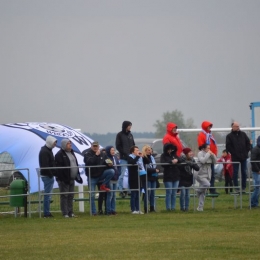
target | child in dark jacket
[{"x": 186, "y": 177}]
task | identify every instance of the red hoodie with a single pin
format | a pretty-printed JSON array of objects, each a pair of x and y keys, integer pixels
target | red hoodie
[
  {"x": 173, "y": 138},
  {"x": 202, "y": 138}
]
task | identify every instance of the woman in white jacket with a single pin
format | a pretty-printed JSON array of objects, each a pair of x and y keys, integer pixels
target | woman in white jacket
[{"x": 205, "y": 159}]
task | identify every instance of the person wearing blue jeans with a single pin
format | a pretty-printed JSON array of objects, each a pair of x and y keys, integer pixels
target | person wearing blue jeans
[
  {"x": 186, "y": 177},
  {"x": 124, "y": 141},
  {"x": 121, "y": 177},
  {"x": 255, "y": 163},
  {"x": 171, "y": 174},
  {"x": 104, "y": 173},
  {"x": 111, "y": 200},
  {"x": 46, "y": 160},
  {"x": 255, "y": 195},
  {"x": 171, "y": 190},
  {"x": 106, "y": 177},
  {"x": 48, "y": 186}
]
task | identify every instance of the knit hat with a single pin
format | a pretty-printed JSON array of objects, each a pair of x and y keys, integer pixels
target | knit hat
[{"x": 186, "y": 150}]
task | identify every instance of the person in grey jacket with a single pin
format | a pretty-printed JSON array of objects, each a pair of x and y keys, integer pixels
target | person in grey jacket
[
  {"x": 66, "y": 177},
  {"x": 255, "y": 163},
  {"x": 205, "y": 158}
]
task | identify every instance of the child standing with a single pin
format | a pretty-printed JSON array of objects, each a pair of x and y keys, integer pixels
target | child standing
[
  {"x": 186, "y": 177},
  {"x": 134, "y": 158},
  {"x": 227, "y": 169}
]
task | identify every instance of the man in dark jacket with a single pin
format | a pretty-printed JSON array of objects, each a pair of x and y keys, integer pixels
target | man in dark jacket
[
  {"x": 104, "y": 173},
  {"x": 46, "y": 160},
  {"x": 255, "y": 163},
  {"x": 238, "y": 145},
  {"x": 124, "y": 141},
  {"x": 66, "y": 177}
]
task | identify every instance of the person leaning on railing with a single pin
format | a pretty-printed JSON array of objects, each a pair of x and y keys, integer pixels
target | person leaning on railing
[{"x": 94, "y": 157}]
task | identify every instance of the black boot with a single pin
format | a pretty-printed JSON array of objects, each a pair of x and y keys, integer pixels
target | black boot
[{"x": 152, "y": 209}]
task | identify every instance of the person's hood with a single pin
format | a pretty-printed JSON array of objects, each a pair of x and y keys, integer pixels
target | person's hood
[
  {"x": 50, "y": 140},
  {"x": 64, "y": 143},
  {"x": 169, "y": 127},
  {"x": 205, "y": 125},
  {"x": 168, "y": 146},
  {"x": 125, "y": 124},
  {"x": 108, "y": 148},
  {"x": 258, "y": 141}
]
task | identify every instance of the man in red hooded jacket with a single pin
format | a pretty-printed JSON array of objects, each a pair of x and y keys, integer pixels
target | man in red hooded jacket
[
  {"x": 172, "y": 137},
  {"x": 206, "y": 137}
]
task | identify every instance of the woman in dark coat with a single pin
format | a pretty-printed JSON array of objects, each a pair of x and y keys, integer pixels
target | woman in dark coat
[{"x": 171, "y": 174}]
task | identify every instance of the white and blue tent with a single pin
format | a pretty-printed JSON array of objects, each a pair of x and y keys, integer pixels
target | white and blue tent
[{"x": 23, "y": 142}]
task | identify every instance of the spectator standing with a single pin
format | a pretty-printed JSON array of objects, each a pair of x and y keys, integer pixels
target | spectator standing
[
  {"x": 205, "y": 158},
  {"x": 46, "y": 160},
  {"x": 171, "y": 174},
  {"x": 152, "y": 177},
  {"x": 227, "y": 169},
  {"x": 111, "y": 200},
  {"x": 255, "y": 163},
  {"x": 186, "y": 177},
  {"x": 135, "y": 160},
  {"x": 205, "y": 136},
  {"x": 66, "y": 177},
  {"x": 124, "y": 141},
  {"x": 94, "y": 157},
  {"x": 172, "y": 136},
  {"x": 238, "y": 144}
]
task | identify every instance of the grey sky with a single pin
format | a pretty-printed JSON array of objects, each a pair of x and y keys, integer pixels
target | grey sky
[{"x": 94, "y": 64}]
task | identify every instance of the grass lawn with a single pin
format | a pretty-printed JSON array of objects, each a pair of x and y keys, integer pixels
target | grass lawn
[{"x": 220, "y": 233}]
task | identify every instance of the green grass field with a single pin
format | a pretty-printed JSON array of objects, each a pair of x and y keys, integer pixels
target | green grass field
[{"x": 220, "y": 233}]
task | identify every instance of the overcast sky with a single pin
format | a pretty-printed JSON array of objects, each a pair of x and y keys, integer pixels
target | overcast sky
[{"x": 94, "y": 64}]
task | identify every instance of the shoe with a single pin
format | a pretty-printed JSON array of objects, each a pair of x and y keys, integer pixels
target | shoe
[
  {"x": 122, "y": 194},
  {"x": 73, "y": 216},
  {"x": 186, "y": 209},
  {"x": 113, "y": 213},
  {"x": 183, "y": 210},
  {"x": 100, "y": 212},
  {"x": 94, "y": 214},
  {"x": 66, "y": 216},
  {"x": 48, "y": 216},
  {"x": 199, "y": 209},
  {"x": 135, "y": 212},
  {"x": 140, "y": 212},
  {"x": 104, "y": 188}
]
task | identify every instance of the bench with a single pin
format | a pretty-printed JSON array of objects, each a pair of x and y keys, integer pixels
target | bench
[{"x": 32, "y": 202}]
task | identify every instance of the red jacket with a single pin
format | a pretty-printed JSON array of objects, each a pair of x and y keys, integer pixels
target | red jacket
[
  {"x": 202, "y": 138},
  {"x": 228, "y": 167},
  {"x": 173, "y": 138}
]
